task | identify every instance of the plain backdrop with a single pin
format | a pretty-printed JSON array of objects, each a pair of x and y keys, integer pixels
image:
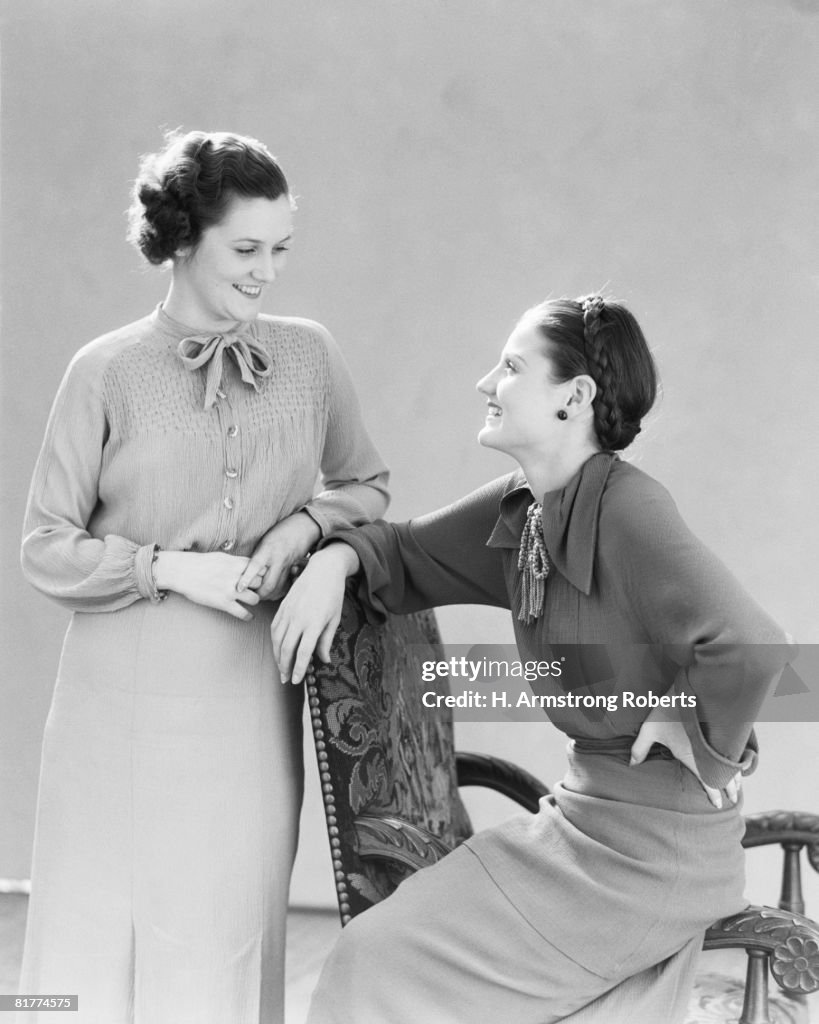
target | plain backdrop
[{"x": 455, "y": 161}]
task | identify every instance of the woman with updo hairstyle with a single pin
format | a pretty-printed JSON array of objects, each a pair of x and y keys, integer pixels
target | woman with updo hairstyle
[
  {"x": 595, "y": 908},
  {"x": 173, "y": 499}
]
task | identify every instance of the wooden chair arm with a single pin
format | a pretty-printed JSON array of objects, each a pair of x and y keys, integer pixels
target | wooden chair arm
[
  {"x": 502, "y": 776},
  {"x": 792, "y": 830},
  {"x": 783, "y": 827}
]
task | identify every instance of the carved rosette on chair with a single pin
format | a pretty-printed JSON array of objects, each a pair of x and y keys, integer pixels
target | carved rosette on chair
[
  {"x": 781, "y": 938},
  {"x": 386, "y": 762},
  {"x": 788, "y": 941}
]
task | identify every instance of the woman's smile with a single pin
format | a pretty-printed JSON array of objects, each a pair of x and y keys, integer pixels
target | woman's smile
[{"x": 251, "y": 239}]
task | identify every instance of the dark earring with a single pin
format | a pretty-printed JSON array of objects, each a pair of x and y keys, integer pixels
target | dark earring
[{"x": 562, "y": 414}]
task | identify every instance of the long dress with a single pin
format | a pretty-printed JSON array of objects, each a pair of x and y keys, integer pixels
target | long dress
[
  {"x": 594, "y": 908},
  {"x": 171, "y": 770}
]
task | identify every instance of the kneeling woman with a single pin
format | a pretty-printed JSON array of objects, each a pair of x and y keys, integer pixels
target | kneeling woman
[{"x": 594, "y": 908}]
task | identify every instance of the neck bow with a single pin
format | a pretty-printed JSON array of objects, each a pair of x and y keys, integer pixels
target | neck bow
[{"x": 200, "y": 350}]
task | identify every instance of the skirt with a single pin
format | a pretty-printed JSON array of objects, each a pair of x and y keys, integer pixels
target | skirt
[
  {"x": 167, "y": 820},
  {"x": 593, "y": 909}
]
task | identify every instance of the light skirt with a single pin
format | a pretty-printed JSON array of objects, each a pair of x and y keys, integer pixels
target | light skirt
[
  {"x": 591, "y": 910},
  {"x": 167, "y": 820}
]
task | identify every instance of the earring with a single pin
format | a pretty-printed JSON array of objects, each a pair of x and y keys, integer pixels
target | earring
[{"x": 562, "y": 414}]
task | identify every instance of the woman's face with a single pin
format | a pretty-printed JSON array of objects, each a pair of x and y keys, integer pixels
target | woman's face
[
  {"x": 223, "y": 279},
  {"x": 523, "y": 398}
]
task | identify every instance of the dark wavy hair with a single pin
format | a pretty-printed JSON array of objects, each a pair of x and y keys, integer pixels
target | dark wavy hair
[
  {"x": 601, "y": 338},
  {"x": 187, "y": 186}
]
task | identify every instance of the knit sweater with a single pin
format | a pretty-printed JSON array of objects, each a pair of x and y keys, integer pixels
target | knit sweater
[
  {"x": 633, "y": 601},
  {"x": 132, "y": 458}
]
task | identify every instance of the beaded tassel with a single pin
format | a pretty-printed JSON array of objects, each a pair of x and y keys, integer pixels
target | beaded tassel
[{"x": 533, "y": 564}]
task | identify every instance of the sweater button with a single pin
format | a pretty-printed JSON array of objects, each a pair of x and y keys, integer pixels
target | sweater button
[
  {"x": 228, "y": 545},
  {"x": 228, "y": 503},
  {"x": 231, "y": 473},
  {"x": 232, "y": 430}
]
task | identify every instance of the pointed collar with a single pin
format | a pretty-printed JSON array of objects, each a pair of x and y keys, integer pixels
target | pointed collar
[{"x": 570, "y": 518}]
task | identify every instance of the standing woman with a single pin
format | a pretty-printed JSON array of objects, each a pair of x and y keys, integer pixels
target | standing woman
[
  {"x": 594, "y": 908},
  {"x": 178, "y": 447}
]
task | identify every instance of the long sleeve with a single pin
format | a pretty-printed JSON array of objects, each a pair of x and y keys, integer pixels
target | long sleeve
[
  {"x": 729, "y": 653},
  {"x": 436, "y": 559},
  {"x": 353, "y": 475},
  {"x": 59, "y": 557}
]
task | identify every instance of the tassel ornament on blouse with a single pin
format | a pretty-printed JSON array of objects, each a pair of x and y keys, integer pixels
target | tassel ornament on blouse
[
  {"x": 208, "y": 350},
  {"x": 533, "y": 565}
]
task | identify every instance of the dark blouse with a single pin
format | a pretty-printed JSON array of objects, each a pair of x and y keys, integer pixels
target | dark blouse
[{"x": 633, "y": 601}]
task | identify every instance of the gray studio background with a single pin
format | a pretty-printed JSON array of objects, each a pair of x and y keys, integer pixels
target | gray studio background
[{"x": 455, "y": 161}]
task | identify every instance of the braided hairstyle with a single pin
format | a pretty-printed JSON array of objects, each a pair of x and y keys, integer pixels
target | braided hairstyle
[
  {"x": 599, "y": 337},
  {"x": 187, "y": 186}
]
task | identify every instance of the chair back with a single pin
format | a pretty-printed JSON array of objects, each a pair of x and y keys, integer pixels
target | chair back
[{"x": 386, "y": 761}]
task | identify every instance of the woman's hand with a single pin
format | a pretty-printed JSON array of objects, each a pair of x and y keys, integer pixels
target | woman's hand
[
  {"x": 672, "y": 734},
  {"x": 277, "y": 554},
  {"x": 308, "y": 617},
  {"x": 207, "y": 578}
]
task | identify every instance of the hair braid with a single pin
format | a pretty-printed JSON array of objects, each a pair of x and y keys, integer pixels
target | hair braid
[{"x": 608, "y": 422}]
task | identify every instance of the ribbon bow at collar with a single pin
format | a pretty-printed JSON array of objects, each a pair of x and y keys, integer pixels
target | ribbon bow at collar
[{"x": 208, "y": 350}]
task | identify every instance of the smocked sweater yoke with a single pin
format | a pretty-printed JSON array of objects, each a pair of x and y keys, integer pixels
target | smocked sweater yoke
[{"x": 132, "y": 458}]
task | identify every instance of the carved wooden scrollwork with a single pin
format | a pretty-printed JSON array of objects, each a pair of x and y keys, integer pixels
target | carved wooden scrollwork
[
  {"x": 391, "y": 838},
  {"x": 791, "y": 940}
]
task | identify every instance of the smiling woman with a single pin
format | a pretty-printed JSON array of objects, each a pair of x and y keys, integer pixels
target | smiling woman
[
  {"x": 591, "y": 557},
  {"x": 561, "y": 390},
  {"x": 219, "y": 208},
  {"x": 174, "y": 492}
]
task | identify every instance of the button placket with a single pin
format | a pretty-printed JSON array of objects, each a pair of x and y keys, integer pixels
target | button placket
[{"x": 231, "y": 463}]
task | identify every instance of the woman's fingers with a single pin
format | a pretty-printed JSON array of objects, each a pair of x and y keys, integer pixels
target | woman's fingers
[
  {"x": 237, "y": 605},
  {"x": 309, "y": 615},
  {"x": 304, "y": 654},
  {"x": 274, "y": 584},
  {"x": 640, "y": 747},
  {"x": 290, "y": 645},
  {"x": 732, "y": 790},
  {"x": 325, "y": 642},
  {"x": 283, "y": 545},
  {"x": 686, "y": 757},
  {"x": 672, "y": 734},
  {"x": 294, "y": 644},
  {"x": 282, "y": 646},
  {"x": 254, "y": 573},
  {"x": 714, "y": 795},
  {"x": 238, "y": 611}
]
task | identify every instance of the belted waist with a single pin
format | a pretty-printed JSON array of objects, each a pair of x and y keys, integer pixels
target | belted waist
[{"x": 618, "y": 745}]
